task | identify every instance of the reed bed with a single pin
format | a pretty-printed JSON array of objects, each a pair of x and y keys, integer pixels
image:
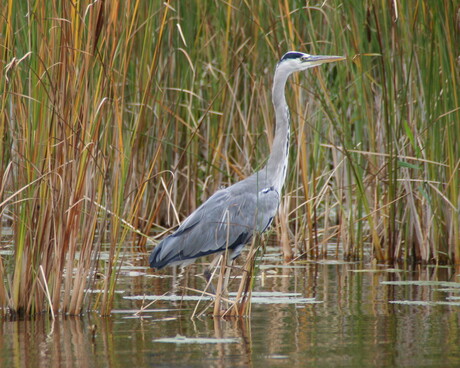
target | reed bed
[{"x": 122, "y": 115}]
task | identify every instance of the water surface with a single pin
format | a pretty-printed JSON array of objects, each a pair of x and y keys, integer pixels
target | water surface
[{"x": 347, "y": 315}]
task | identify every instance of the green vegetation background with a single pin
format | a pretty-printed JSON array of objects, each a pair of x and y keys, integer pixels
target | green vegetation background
[{"x": 128, "y": 114}]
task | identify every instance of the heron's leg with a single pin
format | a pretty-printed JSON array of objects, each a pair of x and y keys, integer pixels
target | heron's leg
[
  {"x": 228, "y": 269},
  {"x": 177, "y": 278},
  {"x": 208, "y": 276},
  {"x": 208, "y": 273},
  {"x": 174, "y": 280}
]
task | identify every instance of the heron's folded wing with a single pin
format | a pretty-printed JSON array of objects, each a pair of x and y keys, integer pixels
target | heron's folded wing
[{"x": 227, "y": 219}]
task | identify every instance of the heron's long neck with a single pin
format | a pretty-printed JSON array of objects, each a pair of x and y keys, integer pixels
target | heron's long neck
[{"x": 278, "y": 160}]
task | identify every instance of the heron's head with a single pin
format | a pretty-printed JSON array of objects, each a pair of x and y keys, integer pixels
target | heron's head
[{"x": 294, "y": 61}]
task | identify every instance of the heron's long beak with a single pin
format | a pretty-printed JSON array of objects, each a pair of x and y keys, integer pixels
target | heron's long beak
[{"x": 323, "y": 59}]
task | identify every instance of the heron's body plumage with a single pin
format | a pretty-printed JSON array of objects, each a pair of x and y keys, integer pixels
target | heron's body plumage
[
  {"x": 231, "y": 216},
  {"x": 227, "y": 219}
]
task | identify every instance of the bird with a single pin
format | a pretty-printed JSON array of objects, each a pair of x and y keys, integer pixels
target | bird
[{"x": 229, "y": 218}]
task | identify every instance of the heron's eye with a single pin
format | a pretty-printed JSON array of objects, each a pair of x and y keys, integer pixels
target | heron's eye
[{"x": 304, "y": 58}]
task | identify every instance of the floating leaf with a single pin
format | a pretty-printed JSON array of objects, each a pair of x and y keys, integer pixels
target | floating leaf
[
  {"x": 272, "y": 294},
  {"x": 278, "y": 300},
  {"x": 197, "y": 340},
  {"x": 423, "y": 283},
  {"x": 449, "y": 290},
  {"x": 424, "y": 303},
  {"x": 369, "y": 270},
  {"x": 132, "y": 311},
  {"x": 100, "y": 291},
  {"x": 262, "y": 297},
  {"x": 133, "y": 273},
  {"x": 172, "y": 298}
]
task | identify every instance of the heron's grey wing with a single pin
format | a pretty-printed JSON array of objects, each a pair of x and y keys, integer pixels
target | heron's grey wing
[
  {"x": 226, "y": 219},
  {"x": 254, "y": 211},
  {"x": 193, "y": 237}
]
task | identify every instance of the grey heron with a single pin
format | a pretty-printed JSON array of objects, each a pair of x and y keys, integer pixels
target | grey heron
[{"x": 231, "y": 216}]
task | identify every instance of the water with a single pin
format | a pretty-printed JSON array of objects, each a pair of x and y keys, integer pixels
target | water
[{"x": 356, "y": 321}]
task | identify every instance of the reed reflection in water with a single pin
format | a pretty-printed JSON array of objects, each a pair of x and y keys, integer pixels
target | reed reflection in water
[{"x": 355, "y": 324}]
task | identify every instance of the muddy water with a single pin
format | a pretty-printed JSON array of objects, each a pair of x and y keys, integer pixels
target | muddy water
[{"x": 332, "y": 315}]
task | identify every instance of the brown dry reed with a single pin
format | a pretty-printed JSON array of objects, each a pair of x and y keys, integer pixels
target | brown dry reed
[{"x": 117, "y": 115}]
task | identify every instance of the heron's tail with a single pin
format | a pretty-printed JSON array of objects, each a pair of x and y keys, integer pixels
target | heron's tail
[
  {"x": 164, "y": 253},
  {"x": 155, "y": 260}
]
